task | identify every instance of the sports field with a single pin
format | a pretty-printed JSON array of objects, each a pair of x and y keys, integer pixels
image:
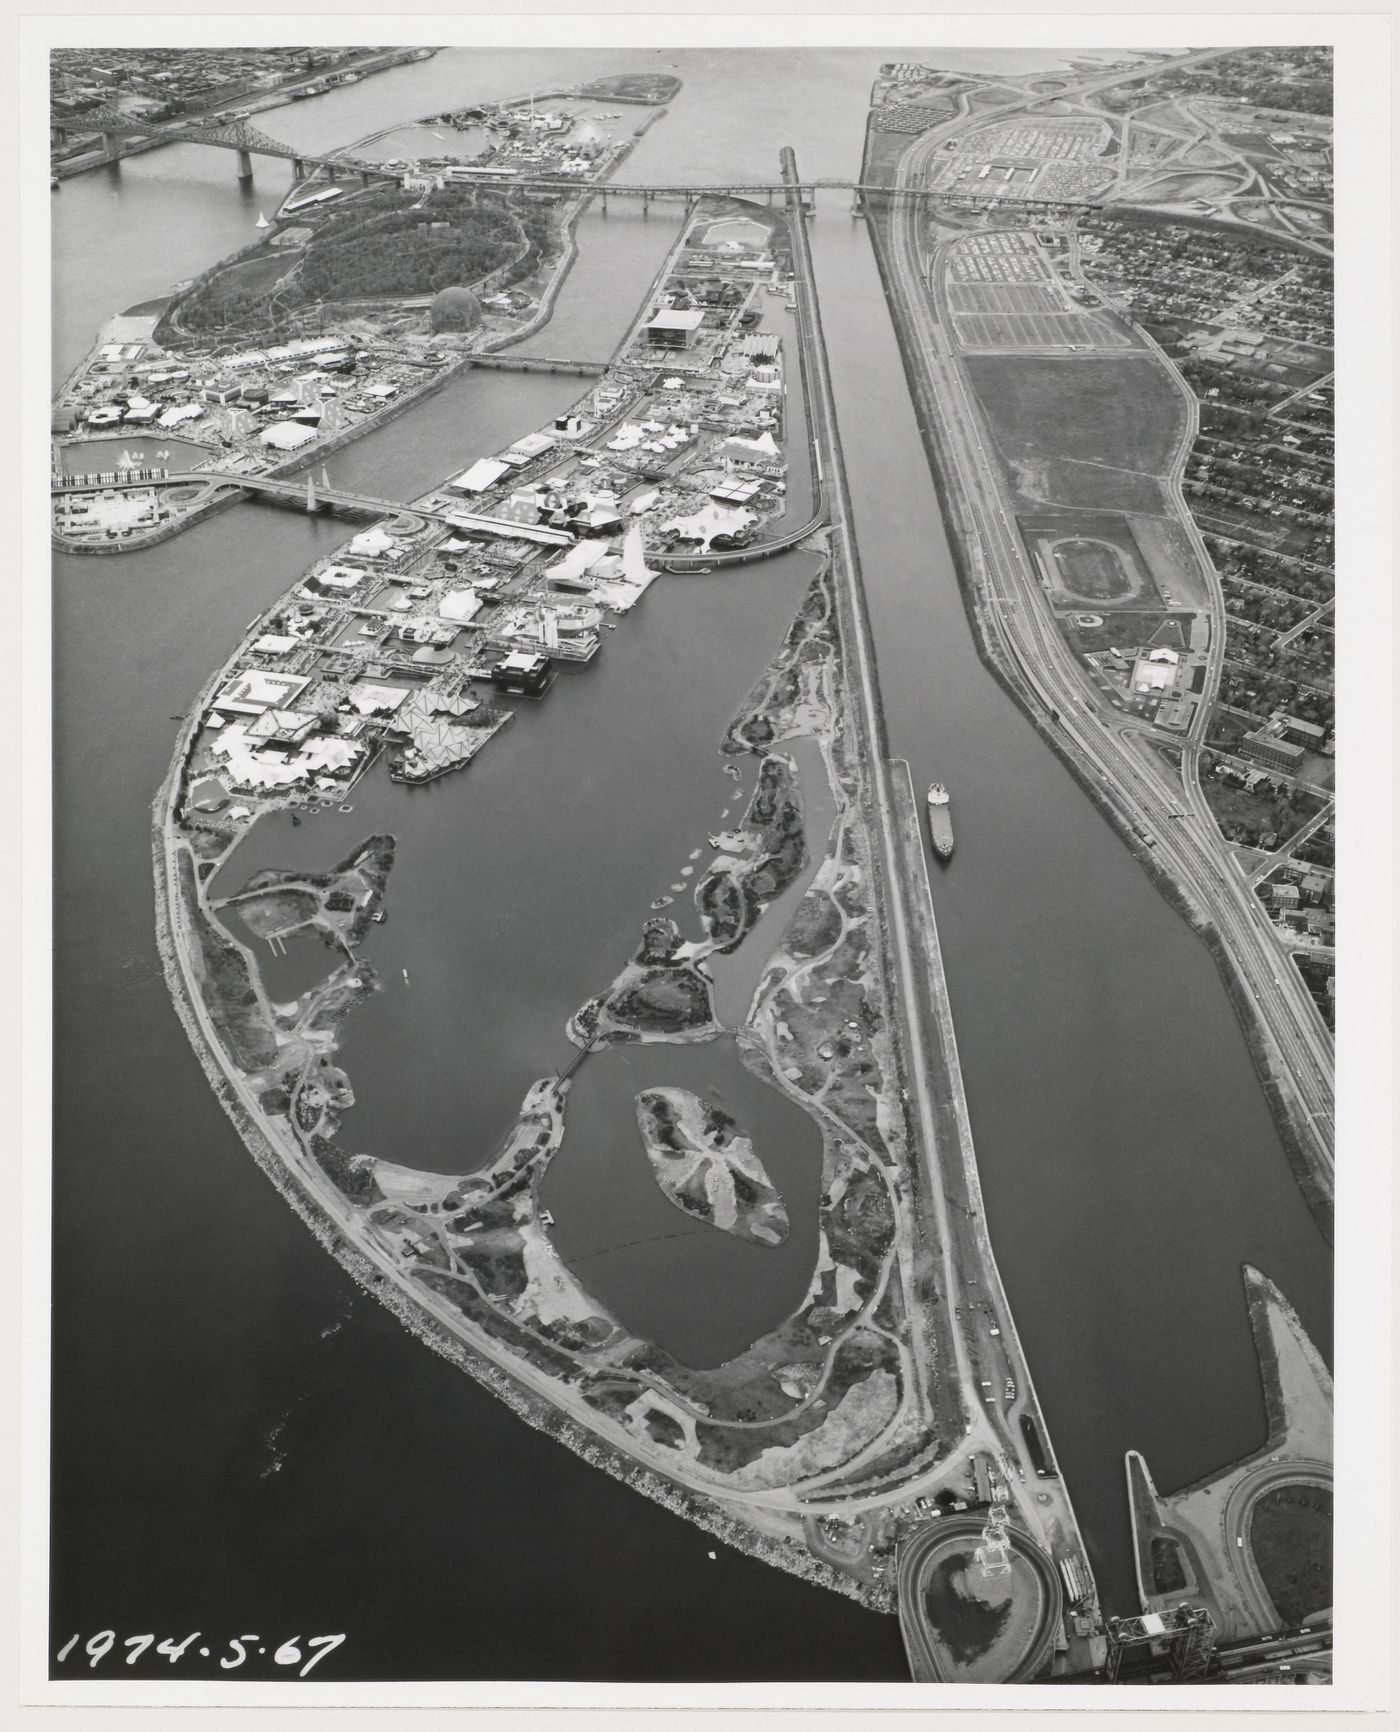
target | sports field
[
  {"x": 1092, "y": 569},
  {"x": 1106, "y": 569}
]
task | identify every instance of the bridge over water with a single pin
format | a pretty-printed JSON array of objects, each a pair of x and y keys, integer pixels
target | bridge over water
[
  {"x": 248, "y": 142},
  {"x": 276, "y": 490},
  {"x": 235, "y": 135}
]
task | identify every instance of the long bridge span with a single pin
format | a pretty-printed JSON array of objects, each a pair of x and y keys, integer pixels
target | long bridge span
[
  {"x": 248, "y": 142},
  {"x": 276, "y": 490},
  {"x": 221, "y": 134}
]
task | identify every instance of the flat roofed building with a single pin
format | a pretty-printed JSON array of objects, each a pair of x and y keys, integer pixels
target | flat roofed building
[
  {"x": 1155, "y": 672},
  {"x": 1270, "y": 749},
  {"x": 1316, "y": 886},
  {"x": 339, "y": 577},
  {"x": 484, "y": 473},
  {"x": 527, "y": 449},
  {"x": 468, "y": 524},
  {"x": 673, "y": 327},
  {"x": 255, "y": 690},
  {"x": 734, "y": 492},
  {"x": 286, "y": 435},
  {"x": 521, "y": 671},
  {"x": 459, "y": 605}
]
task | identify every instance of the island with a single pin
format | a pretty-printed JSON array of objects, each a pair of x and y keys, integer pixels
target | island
[
  {"x": 707, "y": 1168},
  {"x": 883, "y": 1437}
]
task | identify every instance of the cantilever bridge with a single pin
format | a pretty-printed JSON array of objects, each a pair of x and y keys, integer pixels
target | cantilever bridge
[{"x": 234, "y": 135}]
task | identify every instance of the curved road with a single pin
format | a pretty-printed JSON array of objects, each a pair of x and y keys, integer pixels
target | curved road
[
  {"x": 914, "y": 1556},
  {"x": 1235, "y": 1521}
]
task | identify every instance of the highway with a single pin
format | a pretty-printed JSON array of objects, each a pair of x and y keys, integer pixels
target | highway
[{"x": 1108, "y": 749}]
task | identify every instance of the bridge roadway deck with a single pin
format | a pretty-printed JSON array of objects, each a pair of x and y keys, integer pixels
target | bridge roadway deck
[
  {"x": 249, "y": 141},
  {"x": 272, "y": 487}
]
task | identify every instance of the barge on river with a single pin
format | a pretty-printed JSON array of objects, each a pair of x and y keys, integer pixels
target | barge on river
[{"x": 940, "y": 821}]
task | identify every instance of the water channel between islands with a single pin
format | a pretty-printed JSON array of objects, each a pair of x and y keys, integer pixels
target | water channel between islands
[{"x": 1127, "y": 1156}]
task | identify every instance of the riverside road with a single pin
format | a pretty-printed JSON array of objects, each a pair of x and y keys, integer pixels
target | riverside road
[{"x": 1109, "y": 748}]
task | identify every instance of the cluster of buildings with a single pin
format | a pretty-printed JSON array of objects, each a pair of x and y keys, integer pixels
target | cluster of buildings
[
  {"x": 1291, "y": 151},
  {"x": 1259, "y": 482},
  {"x": 1235, "y": 316},
  {"x": 158, "y": 83},
  {"x": 1032, "y": 158},
  {"x": 569, "y": 141},
  {"x": 1288, "y": 81},
  {"x": 1189, "y": 277},
  {"x": 1284, "y": 742},
  {"x": 132, "y": 412},
  {"x": 1301, "y": 903},
  {"x": 515, "y": 567},
  {"x": 1153, "y": 680}
]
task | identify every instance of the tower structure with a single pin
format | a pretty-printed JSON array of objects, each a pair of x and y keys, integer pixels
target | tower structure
[
  {"x": 994, "y": 1553},
  {"x": 1184, "y": 1635}
]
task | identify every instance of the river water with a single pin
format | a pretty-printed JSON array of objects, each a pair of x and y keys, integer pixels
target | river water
[{"x": 223, "y": 1395}]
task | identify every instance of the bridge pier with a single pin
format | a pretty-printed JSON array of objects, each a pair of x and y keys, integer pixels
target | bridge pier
[
  {"x": 109, "y": 144},
  {"x": 245, "y": 165},
  {"x": 298, "y": 169}
]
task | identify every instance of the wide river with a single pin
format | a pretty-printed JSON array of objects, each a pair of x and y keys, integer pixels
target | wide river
[{"x": 240, "y": 1436}]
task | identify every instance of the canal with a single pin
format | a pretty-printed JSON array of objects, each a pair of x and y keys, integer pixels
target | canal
[{"x": 243, "y": 1388}]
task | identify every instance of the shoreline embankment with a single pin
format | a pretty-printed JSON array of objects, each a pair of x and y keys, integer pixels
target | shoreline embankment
[{"x": 959, "y": 533}]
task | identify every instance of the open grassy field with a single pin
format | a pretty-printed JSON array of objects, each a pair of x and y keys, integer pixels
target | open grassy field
[
  {"x": 1177, "y": 188},
  {"x": 1290, "y": 1534},
  {"x": 1125, "y": 631},
  {"x": 1090, "y": 431}
]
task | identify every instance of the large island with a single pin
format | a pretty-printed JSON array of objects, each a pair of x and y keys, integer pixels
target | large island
[
  {"x": 884, "y": 1438},
  {"x": 826, "y": 1442}
]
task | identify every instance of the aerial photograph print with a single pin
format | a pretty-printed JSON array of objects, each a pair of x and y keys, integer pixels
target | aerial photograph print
[{"x": 694, "y": 872}]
